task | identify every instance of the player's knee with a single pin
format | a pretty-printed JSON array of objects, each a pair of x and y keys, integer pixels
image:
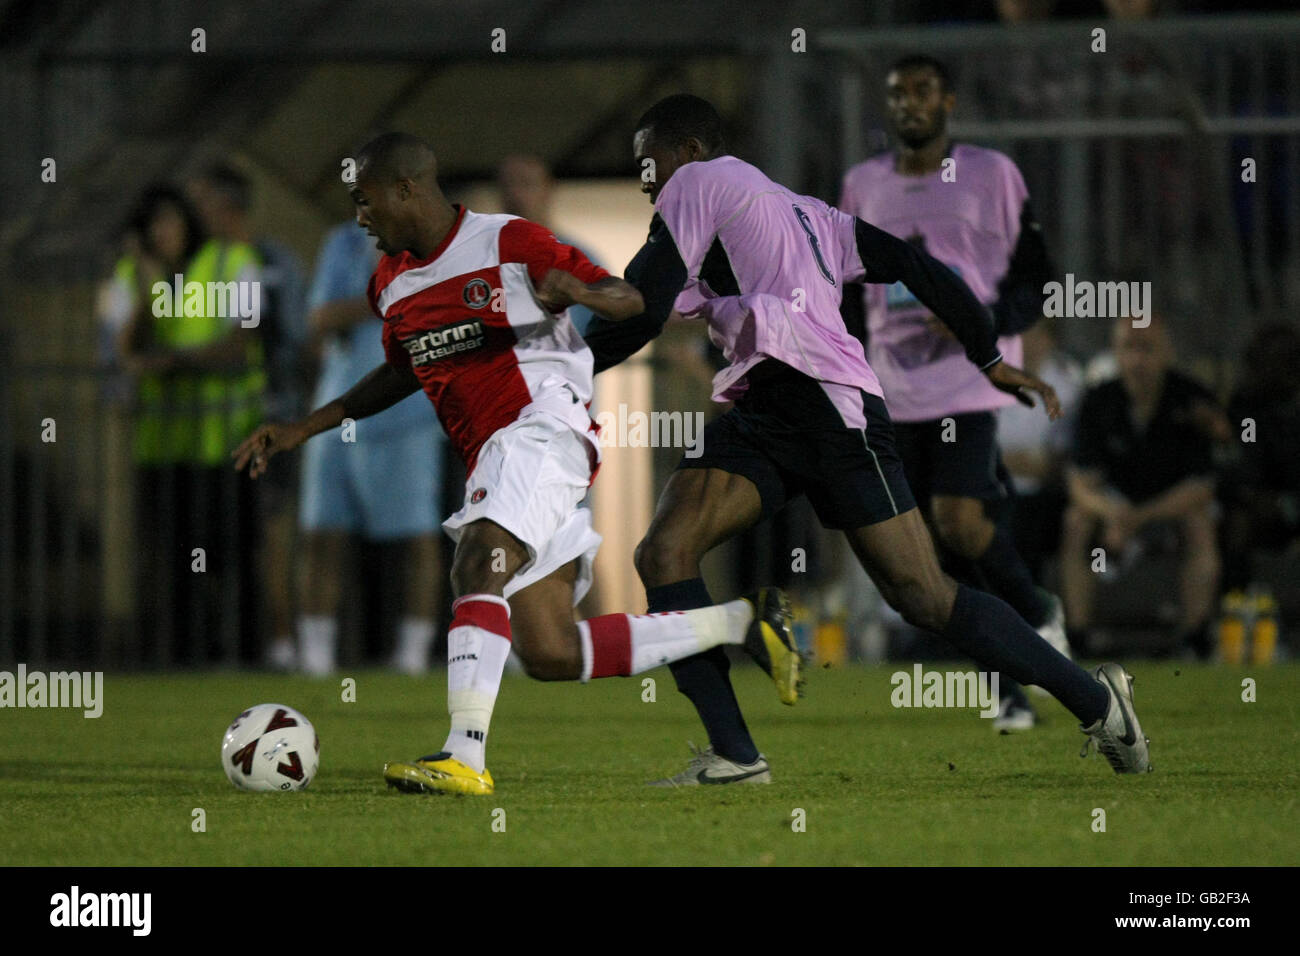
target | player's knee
[
  {"x": 477, "y": 570},
  {"x": 662, "y": 559},
  {"x": 922, "y": 601}
]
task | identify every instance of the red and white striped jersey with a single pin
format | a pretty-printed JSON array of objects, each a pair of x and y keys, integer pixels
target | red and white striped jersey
[{"x": 467, "y": 322}]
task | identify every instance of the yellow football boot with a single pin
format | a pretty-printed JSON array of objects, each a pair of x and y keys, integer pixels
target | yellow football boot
[
  {"x": 771, "y": 642},
  {"x": 437, "y": 773}
]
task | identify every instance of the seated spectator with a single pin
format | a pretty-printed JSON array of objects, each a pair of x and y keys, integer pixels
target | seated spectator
[
  {"x": 1142, "y": 460},
  {"x": 1262, "y": 494}
]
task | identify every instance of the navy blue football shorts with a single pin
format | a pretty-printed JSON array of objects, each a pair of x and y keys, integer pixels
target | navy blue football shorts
[{"x": 790, "y": 434}]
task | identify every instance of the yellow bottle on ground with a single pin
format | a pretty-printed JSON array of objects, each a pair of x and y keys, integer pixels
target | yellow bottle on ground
[
  {"x": 1232, "y": 628},
  {"x": 1263, "y": 633},
  {"x": 831, "y": 642}
]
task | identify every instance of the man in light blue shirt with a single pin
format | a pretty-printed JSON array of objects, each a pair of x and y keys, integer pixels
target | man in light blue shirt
[{"x": 349, "y": 476}]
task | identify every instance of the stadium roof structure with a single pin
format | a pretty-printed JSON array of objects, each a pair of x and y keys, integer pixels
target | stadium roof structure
[{"x": 116, "y": 93}]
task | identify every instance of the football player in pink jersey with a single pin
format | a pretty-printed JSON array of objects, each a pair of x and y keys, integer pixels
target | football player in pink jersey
[
  {"x": 765, "y": 268},
  {"x": 967, "y": 206}
]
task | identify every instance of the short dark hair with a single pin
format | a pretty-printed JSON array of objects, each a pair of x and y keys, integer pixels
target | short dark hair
[
  {"x": 918, "y": 61},
  {"x": 232, "y": 184},
  {"x": 393, "y": 156},
  {"x": 677, "y": 118},
  {"x": 154, "y": 197}
]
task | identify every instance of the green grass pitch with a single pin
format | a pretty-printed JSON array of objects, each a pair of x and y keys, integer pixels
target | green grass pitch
[{"x": 878, "y": 786}]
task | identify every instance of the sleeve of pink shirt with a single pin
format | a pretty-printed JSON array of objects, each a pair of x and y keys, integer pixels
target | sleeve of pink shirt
[{"x": 687, "y": 204}]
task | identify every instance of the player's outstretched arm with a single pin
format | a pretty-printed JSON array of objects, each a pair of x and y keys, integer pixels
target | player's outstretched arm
[
  {"x": 610, "y": 297},
  {"x": 658, "y": 273},
  {"x": 382, "y": 388},
  {"x": 887, "y": 258}
]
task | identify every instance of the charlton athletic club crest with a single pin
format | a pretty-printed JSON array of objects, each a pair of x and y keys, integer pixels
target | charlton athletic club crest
[
  {"x": 476, "y": 293},
  {"x": 478, "y": 495}
]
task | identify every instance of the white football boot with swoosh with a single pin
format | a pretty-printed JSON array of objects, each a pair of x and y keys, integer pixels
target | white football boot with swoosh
[
  {"x": 1118, "y": 735},
  {"x": 706, "y": 768}
]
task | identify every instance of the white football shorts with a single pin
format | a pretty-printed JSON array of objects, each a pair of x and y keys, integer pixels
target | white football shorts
[{"x": 529, "y": 478}]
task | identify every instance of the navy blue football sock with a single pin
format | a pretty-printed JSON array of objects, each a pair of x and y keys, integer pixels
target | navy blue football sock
[
  {"x": 703, "y": 677},
  {"x": 997, "y": 637},
  {"x": 1008, "y": 577}
]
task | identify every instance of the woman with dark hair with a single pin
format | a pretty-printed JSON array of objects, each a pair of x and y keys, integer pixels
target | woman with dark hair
[
  {"x": 166, "y": 233},
  {"x": 168, "y": 226},
  {"x": 163, "y": 237}
]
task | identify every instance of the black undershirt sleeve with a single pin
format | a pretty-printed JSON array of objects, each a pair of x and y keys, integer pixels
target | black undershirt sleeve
[
  {"x": 1020, "y": 293},
  {"x": 887, "y": 259},
  {"x": 659, "y": 274}
]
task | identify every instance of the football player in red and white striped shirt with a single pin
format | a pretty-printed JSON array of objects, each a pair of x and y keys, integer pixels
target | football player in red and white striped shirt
[{"x": 474, "y": 314}]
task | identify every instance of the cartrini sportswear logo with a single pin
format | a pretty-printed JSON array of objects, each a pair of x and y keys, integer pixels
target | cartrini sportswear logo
[{"x": 444, "y": 342}]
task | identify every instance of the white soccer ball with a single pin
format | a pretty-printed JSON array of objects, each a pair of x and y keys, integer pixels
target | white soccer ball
[{"x": 270, "y": 747}]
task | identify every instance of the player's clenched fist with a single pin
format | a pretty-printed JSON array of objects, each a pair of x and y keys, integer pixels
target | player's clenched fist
[
  {"x": 559, "y": 290},
  {"x": 268, "y": 440}
]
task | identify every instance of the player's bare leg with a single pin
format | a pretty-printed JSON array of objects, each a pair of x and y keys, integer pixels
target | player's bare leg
[
  {"x": 543, "y": 629},
  {"x": 899, "y": 556},
  {"x": 699, "y": 509},
  {"x": 553, "y": 646}
]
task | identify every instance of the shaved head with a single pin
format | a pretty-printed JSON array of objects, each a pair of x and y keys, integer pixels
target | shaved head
[
  {"x": 396, "y": 156},
  {"x": 396, "y": 195}
]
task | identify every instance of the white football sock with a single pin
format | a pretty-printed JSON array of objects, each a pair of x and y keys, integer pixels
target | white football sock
[
  {"x": 616, "y": 645},
  {"x": 478, "y": 643},
  {"x": 318, "y": 636},
  {"x": 414, "y": 638},
  {"x": 282, "y": 655}
]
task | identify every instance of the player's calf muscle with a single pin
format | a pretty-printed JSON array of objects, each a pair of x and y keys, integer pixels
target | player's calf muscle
[
  {"x": 544, "y": 632},
  {"x": 550, "y": 659}
]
